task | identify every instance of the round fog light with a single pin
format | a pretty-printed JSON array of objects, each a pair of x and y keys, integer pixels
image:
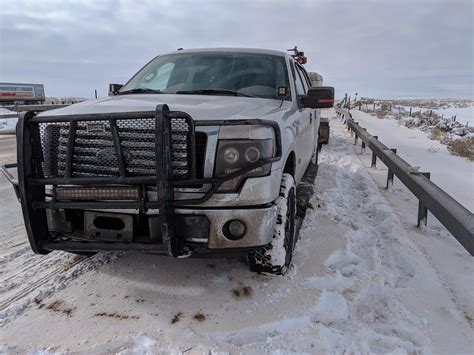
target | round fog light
[{"x": 234, "y": 229}]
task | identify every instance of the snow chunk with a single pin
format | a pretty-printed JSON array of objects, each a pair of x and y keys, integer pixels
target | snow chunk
[
  {"x": 332, "y": 307},
  {"x": 332, "y": 283}
]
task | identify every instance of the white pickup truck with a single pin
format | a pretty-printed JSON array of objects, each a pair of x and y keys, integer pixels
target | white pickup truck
[{"x": 198, "y": 153}]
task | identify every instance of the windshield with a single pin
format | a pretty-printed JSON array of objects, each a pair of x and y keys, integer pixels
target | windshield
[{"x": 248, "y": 74}]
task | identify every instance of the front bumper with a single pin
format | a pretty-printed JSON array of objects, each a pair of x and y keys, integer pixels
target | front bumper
[
  {"x": 39, "y": 167},
  {"x": 200, "y": 229}
]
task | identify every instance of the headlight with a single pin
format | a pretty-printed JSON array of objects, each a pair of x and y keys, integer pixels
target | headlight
[{"x": 233, "y": 155}]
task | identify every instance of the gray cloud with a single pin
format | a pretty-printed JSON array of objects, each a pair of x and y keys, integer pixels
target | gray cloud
[{"x": 378, "y": 48}]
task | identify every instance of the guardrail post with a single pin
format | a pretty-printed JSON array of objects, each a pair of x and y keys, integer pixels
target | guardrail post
[
  {"x": 374, "y": 156},
  {"x": 422, "y": 210},
  {"x": 390, "y": 172},
  {"x": 389, "y": 177},
  {"x": 362, "y": 147},
  {"x": 374, "y": 160}
]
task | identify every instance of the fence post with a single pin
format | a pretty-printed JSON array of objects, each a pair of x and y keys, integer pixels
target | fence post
[{"x": 410, "y": 111}]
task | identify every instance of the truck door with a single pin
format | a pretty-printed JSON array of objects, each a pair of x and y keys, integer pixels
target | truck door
[
  {"x": 305, "y": 123},
  {"x": 317, "y": 112}
]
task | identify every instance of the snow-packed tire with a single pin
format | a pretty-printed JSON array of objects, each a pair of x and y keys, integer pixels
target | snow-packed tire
[{"x": 275, "y": 257}]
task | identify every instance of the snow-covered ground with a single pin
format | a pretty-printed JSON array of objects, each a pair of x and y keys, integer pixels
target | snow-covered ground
[
  {"x": 452, "y": 118},
  {"x": 464, "y": 113},
  {"x": 463, "y": 109},
  {"x": 364, "y": 280}
]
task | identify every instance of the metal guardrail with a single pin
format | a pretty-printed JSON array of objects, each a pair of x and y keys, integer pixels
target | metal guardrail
[{"x": 454, "y": 216}]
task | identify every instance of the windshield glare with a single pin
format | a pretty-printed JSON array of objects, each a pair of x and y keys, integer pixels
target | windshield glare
[{"x": 246, "y": 73}]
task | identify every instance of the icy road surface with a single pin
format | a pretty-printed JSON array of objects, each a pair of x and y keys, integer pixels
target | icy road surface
[{"x": 365, "y": 279}]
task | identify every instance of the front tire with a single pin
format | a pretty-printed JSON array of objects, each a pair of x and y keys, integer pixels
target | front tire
[{"x": 275, "y": 258}]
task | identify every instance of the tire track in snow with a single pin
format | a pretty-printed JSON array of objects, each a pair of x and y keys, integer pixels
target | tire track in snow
[
  {"x": 25, "y": 276},
  {"x": 33, "y": 284}
]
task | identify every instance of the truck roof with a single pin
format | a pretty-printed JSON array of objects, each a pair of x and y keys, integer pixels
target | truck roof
[{"x": 231, "y": 49}]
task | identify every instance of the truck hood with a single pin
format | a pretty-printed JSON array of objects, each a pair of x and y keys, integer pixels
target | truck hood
[{"x": 200, "y": 107}]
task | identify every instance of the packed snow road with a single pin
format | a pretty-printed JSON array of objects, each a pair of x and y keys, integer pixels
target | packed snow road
[{"x": 364, "y": 279}]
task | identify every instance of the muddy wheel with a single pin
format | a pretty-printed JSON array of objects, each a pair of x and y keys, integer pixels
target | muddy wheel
[{"x": 275, "y": 258}]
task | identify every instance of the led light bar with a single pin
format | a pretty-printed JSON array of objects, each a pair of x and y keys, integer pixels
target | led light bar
[{"x": 98, "y": 193}]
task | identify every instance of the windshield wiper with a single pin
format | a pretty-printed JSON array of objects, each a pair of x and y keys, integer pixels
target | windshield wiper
[
  {"x": 214, "y": 92},
  {"x": 139, "y": 91}
]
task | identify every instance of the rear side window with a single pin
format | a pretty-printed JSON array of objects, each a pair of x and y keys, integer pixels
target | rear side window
[
  {"x": 299, "y": 86},
  {"x": 303, "y": 78}
]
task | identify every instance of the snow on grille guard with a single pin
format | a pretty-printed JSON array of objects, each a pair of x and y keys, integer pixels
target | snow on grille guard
[{"x": 47, "y": 155}]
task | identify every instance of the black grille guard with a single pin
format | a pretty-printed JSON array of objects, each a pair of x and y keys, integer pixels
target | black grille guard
[{"x": 31, "y": 182}]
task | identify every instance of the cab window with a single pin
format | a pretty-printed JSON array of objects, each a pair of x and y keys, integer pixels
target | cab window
[
  {"x": 299, "y": 86},
  {"x": 305, "y": 76},
  {"x": 303, "y": 79}
]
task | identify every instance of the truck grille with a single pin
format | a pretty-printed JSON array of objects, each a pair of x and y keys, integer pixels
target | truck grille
[{"x": 94, "y": 152}]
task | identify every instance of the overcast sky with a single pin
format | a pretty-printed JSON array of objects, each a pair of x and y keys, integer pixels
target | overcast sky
[{"x": 380, "y": 49}]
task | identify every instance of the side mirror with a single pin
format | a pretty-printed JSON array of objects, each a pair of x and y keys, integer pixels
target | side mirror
[
  {"x": 319, "y": 97},
  {"x": 114, "y": 89}
]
